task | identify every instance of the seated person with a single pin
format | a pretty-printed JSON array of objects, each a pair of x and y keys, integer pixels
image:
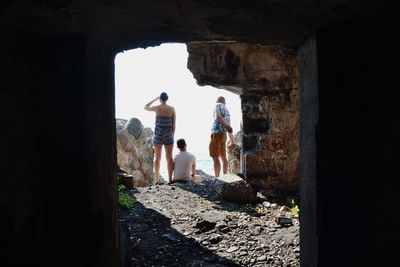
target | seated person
[{"x": 184, "y": 165}]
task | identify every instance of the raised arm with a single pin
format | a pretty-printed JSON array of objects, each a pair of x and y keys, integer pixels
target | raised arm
[{"x": 148, "y": 105}]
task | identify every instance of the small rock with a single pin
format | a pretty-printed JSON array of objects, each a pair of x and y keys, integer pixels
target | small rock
[
  {"x": 205, "y": 243},
  {"x": 220, "y": 225},
  {"x": 266, "y": 204},
  {"x": 232, "y": 225},
  {"x": 169, "y": 237},
  {"x": 257, "y": 231},
  {"x": 243, "y": 253},
  {"x": 204, "y": 225},
  {"x": 214, "y": 239},
  {"x": 262, "y": 258},
  {"x": 232, "y": 249},
  {"x": 225, "y": 230},
  {"x": 284, "y": 209}
]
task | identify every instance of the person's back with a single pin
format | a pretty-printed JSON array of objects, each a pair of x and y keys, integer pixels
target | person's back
[
  {"x": 164, "y": 131},
  {"x": 220, "y": 126},
  {"x": 216, "y": 126},
  {"x": 164, "y": 110},
  {"x": 183, "y": 163}
]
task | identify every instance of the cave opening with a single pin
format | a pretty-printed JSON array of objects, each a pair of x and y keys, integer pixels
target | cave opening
[
  {"x": 269, "y": 106},
  {"x": 142, "y": 74}
]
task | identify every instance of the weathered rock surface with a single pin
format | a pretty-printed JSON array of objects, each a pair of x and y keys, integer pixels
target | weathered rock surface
[
  {"x": 234, "y": 154},
  {"x": 266, "y": 77},
  {"x": 234, "y": 189},
  {"x": 135, "y": 152},
  {"x": 190, "y": 225},
  {"x": 134, "y": 127}
]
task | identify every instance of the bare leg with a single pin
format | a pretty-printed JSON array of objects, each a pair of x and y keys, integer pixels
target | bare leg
[
  {"x": 217, "y": 166},
  {"x": 170, "y": 161},
  {"x": 231, "y": 139},
  {"x": 157, "y": 152},
  {"x": 224, "y": 165}
]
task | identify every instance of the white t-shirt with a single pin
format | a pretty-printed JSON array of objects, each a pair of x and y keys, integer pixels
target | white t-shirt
[{"x": 183, "y": 165}]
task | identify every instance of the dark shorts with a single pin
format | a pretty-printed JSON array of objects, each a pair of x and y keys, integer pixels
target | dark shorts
[
  {"x": 217, "y": 145},
  {"x": 163, "y": 138},
  {"x": 163, "y": 133}
]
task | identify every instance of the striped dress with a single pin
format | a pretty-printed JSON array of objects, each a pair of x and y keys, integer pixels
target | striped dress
[{"x": 163, "y": 134}]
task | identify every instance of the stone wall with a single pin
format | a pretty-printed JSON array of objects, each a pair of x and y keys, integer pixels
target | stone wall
[
  {"x": 135, "y": 151},
  {"x": 266, "y": 78}
]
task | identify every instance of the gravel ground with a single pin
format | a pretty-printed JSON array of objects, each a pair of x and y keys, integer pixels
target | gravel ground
[{"x": 189, "y": 225}]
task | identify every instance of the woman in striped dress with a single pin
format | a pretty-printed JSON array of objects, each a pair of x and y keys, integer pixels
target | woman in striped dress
[{"x": 163, "y": 134}]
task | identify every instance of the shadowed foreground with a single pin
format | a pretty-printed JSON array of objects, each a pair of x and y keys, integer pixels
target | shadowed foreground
[{"x": 187, "y": 225}]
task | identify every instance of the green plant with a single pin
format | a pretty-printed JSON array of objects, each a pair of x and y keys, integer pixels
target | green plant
[
  {"x": 295, "y": 209},
  {"x": 125, "y": 200},
  {"x": 121, "y": 187}
]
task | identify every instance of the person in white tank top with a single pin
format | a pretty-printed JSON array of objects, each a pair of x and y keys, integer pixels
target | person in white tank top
[{"x": 184, "y": 165}]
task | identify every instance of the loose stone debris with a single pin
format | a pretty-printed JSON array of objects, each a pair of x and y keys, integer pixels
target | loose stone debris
[{"x": 189, "y": 225}]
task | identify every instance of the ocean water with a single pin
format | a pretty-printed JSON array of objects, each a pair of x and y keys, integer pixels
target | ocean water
[{"x": 203, "y": 162}]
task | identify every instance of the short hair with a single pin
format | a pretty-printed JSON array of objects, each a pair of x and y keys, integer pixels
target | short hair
[
  {"x": 221, "y": 99},
  {"x": 164, "y": 96},
  {"x": 181, "y": 143}
]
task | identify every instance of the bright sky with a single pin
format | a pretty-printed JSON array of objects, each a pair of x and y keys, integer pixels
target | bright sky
[{"x": 142, "y": 74}]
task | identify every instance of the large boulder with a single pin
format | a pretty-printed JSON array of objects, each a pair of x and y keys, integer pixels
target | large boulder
[
  {"x": 134, "y": 127},
  {"x": 135, "y": 151},
  {"x": 234, "y": 189}
]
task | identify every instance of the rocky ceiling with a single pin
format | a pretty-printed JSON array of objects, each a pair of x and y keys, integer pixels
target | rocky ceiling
[{"x": 127, "y": 24}]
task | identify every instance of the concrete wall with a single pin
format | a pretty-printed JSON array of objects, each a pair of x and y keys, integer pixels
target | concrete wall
[
  {"x": 350, "y": 146},
  {"x": 309, "y": 104},
  {"x": 57, "y": 156}
]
